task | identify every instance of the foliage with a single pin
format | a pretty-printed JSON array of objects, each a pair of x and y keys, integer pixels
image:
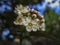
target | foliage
[{"x": 52, "y": 24}]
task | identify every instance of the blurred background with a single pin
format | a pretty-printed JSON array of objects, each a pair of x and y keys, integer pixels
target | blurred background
[{"x": 11, "y": 34}]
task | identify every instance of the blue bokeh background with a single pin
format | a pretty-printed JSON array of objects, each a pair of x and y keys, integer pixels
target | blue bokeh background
[{"x": 6, "y": 5}]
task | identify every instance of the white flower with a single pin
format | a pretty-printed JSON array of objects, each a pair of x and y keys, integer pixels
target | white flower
[
  {"x": 27, "y": 19},
  {"x": 37, "y": 20},
  {"x": 31, "y": 27},
  {"x": 25, "y": 9},
  {"x": 30, "y": 24},
  {"x": 34, "y": 16},
  {"x": 40, "y": 25},
  {"x": 18, "y": 9},
  {"x": 43, "y": 20},
  {"x": 43, "y": 27},
  {"x": 19, "y": 21}
]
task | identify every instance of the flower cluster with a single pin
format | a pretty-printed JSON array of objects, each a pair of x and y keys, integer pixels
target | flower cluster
[{"x": 29, "y": 18}]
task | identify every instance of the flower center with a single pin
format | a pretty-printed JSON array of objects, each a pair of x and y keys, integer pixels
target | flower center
[
  {"x": 30, "y": 24},
  {"x": 20, "y": 20}
]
